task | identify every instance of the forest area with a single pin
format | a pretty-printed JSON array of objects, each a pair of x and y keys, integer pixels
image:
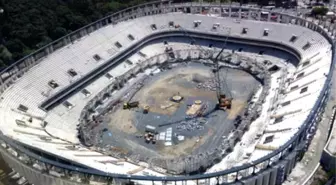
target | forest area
[{"x": 26, "y": 25}]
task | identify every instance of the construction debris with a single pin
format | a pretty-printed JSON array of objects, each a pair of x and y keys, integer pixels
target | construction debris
[
  {"x": 194, "y": 124},
  {"x": 209, "y": 84}
]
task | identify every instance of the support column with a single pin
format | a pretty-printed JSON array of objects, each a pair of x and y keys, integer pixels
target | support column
[
  {"x": 16, "y": 72},
  {"x": 230, "y": 12},
  {"x": 117, "y": 84},
  {"x": 249, "y": 14},
  {"x": 220, "y": 11},
  {"x": 279, "y": 18},
  {"x": 97, "y": 25},
  {"x": 84, "y": 32},
  {"x": 239, "y": 12},
  {"x": 288, "y": 20},
  {"x": 65, "y": 41},
  {"x": 133, "y": 12},
  {"x": 192, "y": 10},
  {"x": 51, "y": 48},
  {"x": 26, "y": 64},
  {"x": 147, "y": 11},
  {"x": 93, "y": 27},
  {"x": 155, "y": 9},
  {"x": 142, "y": 11},
  {"x": 259, "y": 16},
  {"x": 1, "y": 82},
  {"x": 269, "y": 17},
  {"x": 161, "y": 8},
  {"x": 31, "y": 61},
  {"x": 47, "y": 50}
]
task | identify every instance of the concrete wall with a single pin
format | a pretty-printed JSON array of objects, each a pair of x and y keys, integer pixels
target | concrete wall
[
  {"x": 32, "y": 175},
  {"x": 274, "y": 174}
]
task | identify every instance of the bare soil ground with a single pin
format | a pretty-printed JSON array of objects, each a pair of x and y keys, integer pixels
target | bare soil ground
[
  {"x": 236, "y": 108},
  {"x": 158, "y": 94},
  {"x": 123, "y": 120}
]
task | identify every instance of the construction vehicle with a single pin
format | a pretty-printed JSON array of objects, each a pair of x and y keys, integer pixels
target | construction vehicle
[
  {"x": 150, "y": 137},
  {"x": 224, "y": 102},
  {"x": 146, "y": 109},
  {"x": 150, "y": 133},
  {"x": 129, "y": 105}
]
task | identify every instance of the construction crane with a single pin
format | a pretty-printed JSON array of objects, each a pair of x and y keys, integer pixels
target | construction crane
[{"x": 224, "y": 101}]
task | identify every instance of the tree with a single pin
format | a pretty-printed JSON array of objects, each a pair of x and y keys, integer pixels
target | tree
[
  {"x": 27, "y": 25},
  {"x": 57, "y": 33},
  {"x": 319, "y": 11},
  {"x": 5, "y": 56}
]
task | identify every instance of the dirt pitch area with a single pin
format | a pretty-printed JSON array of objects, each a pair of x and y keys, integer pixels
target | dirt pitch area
[
  {"x": 157, "y": 95},
  {"x": 128, "y": 126},
  {"x": 123, "y": 120}
]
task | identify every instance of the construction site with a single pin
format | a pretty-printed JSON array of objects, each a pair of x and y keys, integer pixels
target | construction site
[{"x": 177, "y": 117}]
